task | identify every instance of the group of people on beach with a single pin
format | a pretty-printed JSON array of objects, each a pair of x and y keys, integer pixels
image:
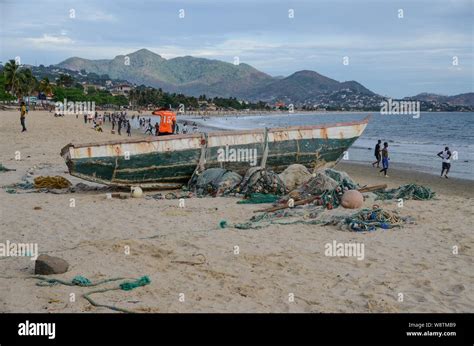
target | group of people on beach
[
  {"x": 116, "y": 119},
  {"x": 381, "y": 154},
  {"x": 119, "y": 120}
]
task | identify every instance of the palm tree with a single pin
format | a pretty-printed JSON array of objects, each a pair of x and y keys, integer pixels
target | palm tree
[
  {"x": 13, "y": 78},
  {"x": 28, "y": 83},
  {"x": 45, "y": 87},
  {"x": 65, "y": 80}
]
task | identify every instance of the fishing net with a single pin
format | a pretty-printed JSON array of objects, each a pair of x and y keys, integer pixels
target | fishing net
[
  {"x": 341, "y": 178},
  {"x": 294, "y": 176},
  {"x": 297, "y": 215},
  {"x": 322, "y": 194},
  {"x": 214, "y": 182},
  {"x": 261, "y": 180},
  {"x": 5, "y": 169},
  {"x": 26, "y": 185},
  {"x": 408, "y": 191},
  {"x": 48, "y": 182},
  {"x": 371, "y": 219},
  {"x": 257, "y": 198},
  {"x": 85, "y": 282},
  {"x": 362, "y": 221},
  {"x": 329, "y": 184}
]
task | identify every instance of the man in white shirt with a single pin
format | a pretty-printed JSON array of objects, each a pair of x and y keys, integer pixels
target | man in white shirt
[{"x": 446, "y": 156}]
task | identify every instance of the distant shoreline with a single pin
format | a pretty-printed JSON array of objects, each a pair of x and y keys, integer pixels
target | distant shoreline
[{"x": 230, "y": 113}]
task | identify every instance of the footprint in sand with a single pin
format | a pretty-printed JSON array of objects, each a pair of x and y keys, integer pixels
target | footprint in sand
[{"x": 458, "y": 288}]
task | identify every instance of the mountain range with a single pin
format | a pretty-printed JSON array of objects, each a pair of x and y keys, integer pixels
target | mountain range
[
  {"x": 466, "y": 99},
  {"x": 196, "y": 76},
  {"x": 214, "y": 78}
]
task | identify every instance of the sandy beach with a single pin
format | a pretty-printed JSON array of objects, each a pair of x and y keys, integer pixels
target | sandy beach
[{"x": 186, "y": 254}]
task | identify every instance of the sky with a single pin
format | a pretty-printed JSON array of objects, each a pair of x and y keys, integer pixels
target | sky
[{"x": 395, "y": 48}]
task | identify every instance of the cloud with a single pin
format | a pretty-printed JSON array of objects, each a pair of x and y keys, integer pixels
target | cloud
[
  {"x": 53, "y": 40},
  {"x": 419, "y": 47},
  {"x": 96, "y": 16}
]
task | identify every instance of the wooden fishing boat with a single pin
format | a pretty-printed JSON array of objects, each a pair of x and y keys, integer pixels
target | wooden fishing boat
[{"x": 169, "y": 161}]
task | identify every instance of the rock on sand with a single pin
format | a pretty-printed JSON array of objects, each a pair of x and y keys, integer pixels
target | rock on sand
[{"x": 46, "y": 265}]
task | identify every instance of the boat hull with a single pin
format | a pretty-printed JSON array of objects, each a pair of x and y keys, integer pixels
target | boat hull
[{"x": 169, "y": 162}]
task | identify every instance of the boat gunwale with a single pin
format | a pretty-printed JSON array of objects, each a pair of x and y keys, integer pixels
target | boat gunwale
[{"x": 218, "y": 133}]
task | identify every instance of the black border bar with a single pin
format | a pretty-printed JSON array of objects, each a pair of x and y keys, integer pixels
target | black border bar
[{"x": 218, "y": 329}]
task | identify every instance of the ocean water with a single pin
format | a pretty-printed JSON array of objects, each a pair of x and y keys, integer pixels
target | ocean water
[{"x": 413, "y": 143}]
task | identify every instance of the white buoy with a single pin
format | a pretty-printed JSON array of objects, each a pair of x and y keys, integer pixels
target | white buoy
[{"x": 137, "y": 192}]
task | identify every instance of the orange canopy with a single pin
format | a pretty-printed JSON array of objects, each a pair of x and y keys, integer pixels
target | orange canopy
[{"x": 163, "y": 112}]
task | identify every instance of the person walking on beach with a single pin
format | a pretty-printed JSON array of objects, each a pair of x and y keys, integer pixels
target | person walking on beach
[
  {"x": 149, "y": 129},
  {"x": 119, "y": 126},
  {"x": 129, "y": 129},
  {"x": 23, "y": 116},
  {"x": 377, "y": 154},
  {"x": 385, "y": 159},
  {"x": 446, "y": 165}
]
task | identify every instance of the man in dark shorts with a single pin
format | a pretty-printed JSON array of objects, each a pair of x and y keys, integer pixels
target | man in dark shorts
[
  {"x": 446, "y": 156},
  {"x": 377, "y": 154},
  {"x": 385, "y": 159}
]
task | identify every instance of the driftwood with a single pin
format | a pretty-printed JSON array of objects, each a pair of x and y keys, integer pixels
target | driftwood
[
  {"x": 373, "y": 188},
  {"x": 279, "y": 207}
]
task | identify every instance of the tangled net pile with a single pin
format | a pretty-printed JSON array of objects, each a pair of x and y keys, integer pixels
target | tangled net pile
[
  {"x": 327, "y": 188},
  {"x": 329, "y": 184},
  {"x": 261, "y": 180},
  {"x": 257, "y": 183},
  {"x": 308, "y": 215},
  {"x": 214, "y": 182},
  {"x": 408, "y": 191},
  {"x": 369, "y": 220},
  {"x": 363, "y": 221}
]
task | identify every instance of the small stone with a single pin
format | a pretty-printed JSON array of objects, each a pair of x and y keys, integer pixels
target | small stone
[{"x": 46, "y": 265}]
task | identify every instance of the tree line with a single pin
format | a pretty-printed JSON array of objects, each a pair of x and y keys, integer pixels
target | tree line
[
  {"x": 143, "y": 96},
  {"x": 17, "y": 82}
]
